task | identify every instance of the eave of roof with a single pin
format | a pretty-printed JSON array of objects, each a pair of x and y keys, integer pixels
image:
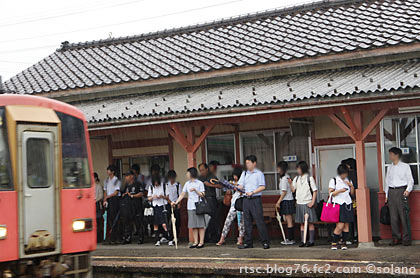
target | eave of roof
[{"x": 299, "y": 90}]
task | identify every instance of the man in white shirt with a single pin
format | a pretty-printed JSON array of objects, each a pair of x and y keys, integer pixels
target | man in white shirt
[
  {"x": 398, "y": 185},
  {"x": 112, "y": 187}
]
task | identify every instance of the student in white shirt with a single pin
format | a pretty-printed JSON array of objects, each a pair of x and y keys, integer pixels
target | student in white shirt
[
  {"x": 112, "y": 187},
  {"x": 305, "y": 188},
  {"x": 342, "y": 190},
  {"x": 158, "y": 196},
  {"x": 195, "y": 190},
  {"x": 174, "y": 189},
  {"x": 398, "y": 185},
  {"x": 286, "y": 202}
]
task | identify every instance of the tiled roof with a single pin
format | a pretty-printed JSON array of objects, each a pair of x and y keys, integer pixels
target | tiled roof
[
  {"x": 351, "y": 82},
  {"x": 322, "y": 28}
]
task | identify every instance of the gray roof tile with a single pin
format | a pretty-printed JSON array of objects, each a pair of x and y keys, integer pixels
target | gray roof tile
[{"x": 321, "y": 28}]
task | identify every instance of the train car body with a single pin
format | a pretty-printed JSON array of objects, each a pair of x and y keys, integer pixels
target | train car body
[{"x": 47, "y": 207}]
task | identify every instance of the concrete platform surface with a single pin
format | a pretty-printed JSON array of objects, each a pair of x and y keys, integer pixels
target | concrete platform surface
[{"x": 148, "y": 260}]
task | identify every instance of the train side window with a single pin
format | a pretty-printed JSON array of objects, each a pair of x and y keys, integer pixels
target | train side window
[
  {"x": 38, "y": 165},
  {"x": 5, "y": 181},
  {"x": 76, "y": 173}
]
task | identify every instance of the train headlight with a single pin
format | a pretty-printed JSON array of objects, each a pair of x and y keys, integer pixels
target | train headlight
[
  {"x": 3, "y": 232},
  {"x": 82, "y": 225}
]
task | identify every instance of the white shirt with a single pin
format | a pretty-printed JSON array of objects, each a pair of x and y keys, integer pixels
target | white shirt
[
  {"x": 173, "y": 190},
  {"x": 252, "y": 180},
  {"x": 158, "y": 191},
  {"x": 303, "y": 193},
  {"x": 285, "y": 186},
  {"x": 344, "y": 197},
  {"x": 399, "y": 175},
  {"x": 112, "y": 185},
  {"x": 193, "y": 196},
  {"x": 99, "y": 192}
]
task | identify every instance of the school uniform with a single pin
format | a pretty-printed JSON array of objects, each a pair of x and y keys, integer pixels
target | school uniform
[
  {"x": 399, "y": 179},
  {"x": 110, "y": 186},
  {"x": 252, "y": 206},
  {"x": 159, "y": 205},
  {"x": 303, "y": 185},
  {"x": 194, "y": 220},
  {"x": 287, "y": 205},
  {"x": 174, "y": 190},
  {"x": 343, "y": 199}
]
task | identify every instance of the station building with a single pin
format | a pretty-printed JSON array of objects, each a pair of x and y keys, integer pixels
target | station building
[{"x": 319, "y": 82}]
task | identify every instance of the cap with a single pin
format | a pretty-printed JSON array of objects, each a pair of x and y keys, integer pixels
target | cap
[{"x": 128, "y": 173}]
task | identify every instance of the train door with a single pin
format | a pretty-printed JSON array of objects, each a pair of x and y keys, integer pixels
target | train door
[{"x": 38, "y": 171}]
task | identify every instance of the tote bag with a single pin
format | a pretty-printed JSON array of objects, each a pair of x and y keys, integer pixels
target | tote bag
[
  {"x": 385, "y": 217},
  {"x": 202, "y": 207},
  {"x": 330, "y": 211}
]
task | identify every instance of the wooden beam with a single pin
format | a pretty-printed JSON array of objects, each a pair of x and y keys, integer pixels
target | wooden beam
[
  {"x": 355, "y": 129},
  {"x": 140, "y": 143},
  {"x": 202, "y": 138},
  {"x": 342, "y": 125},
  {"x": 176, "y": 133},
  {"x": 374, "y": 123}
]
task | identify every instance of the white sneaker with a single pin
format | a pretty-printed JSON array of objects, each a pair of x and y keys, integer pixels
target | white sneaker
[
  {"x": 171, "y": 243},
  {"x": 349, "y": 242},
  {"x": 163, "y": 240},
  {"x": 157, "y": 243},
  {"x": 287, "y": 242}
]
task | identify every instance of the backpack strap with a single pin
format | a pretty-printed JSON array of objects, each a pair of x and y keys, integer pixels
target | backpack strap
[
  {"x": 177, "y": 188},
  {"x": 310, "y": 187}
]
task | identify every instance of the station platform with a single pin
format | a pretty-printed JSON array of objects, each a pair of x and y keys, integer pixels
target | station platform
[{"x": 148, "y": 260}]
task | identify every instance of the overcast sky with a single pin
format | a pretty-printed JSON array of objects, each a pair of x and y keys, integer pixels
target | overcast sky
[{"x": 31, "y": 30}]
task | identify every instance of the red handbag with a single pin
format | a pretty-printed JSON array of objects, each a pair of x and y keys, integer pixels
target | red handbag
[{"x": 330, "y": 211}]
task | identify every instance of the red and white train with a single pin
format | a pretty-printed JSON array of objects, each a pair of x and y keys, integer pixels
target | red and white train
[{"x": 47, "y": 207}]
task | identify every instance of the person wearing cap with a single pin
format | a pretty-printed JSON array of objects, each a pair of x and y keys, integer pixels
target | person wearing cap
[{"x": 132, "y": 192}]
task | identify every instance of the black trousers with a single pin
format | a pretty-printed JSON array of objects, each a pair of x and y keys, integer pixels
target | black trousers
[
  {"x": 213, "y": 229},
  {"x": 253, "y": 210},
  {"x": 112, "y": 218},
  {"x": 139, "y": 220}
]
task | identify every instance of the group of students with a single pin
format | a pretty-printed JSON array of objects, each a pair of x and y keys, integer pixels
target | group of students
[{"x": 125, "y": 204}]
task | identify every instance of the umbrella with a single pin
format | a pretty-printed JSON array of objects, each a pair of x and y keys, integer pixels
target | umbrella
[
  {"x": 174, "y": 228},
  {"x": 226, "y": 185},
  {"x": 105, "y": 217},
  {"x": 407, "y": 214},
  {"x": 280, "y": 224},
  {"x": 305, "y": 229}
]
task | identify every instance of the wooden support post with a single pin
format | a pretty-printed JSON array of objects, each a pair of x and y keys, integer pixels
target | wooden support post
[
  {"x": 110, "y": 156},
  {"x": 353, "y": 127},
  {"x": 379, "y": 158},
  {"x": 364, "y": 223},
  {"x": 237, "y": 146}
]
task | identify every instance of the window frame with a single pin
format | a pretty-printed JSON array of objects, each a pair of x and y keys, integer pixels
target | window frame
[
  {"x": 88, "y": 184},
  {"x": 50, "y": 172},
  {"x": 11, "y": 186},
  {"x": 398, "y": 144},
  {"x": 221, "y": 135}
]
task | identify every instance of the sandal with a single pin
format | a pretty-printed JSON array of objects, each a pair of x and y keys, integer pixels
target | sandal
[{"x": 220, "y": 243}]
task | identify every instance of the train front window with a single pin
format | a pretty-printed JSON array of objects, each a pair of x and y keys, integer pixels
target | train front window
[
  {"x": 5, "y": 182},
  {"x": 38, "y": 164},
  {"x": 75, "y": 159}
]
